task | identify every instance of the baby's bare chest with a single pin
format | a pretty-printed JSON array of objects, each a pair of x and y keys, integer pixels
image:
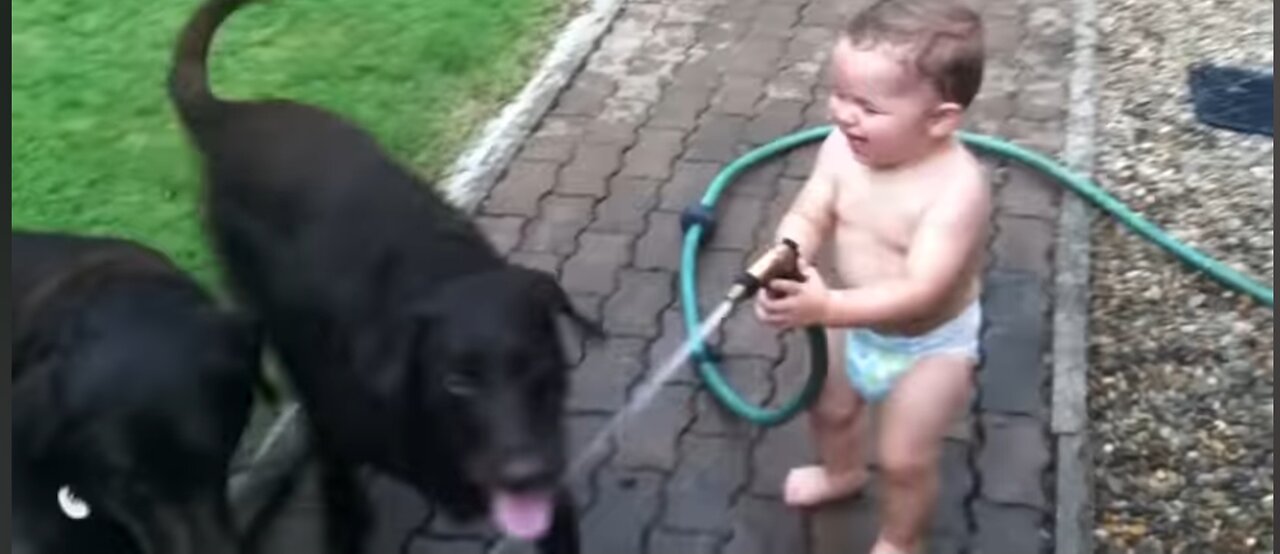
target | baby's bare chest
[{"x": 886, "y": 216}]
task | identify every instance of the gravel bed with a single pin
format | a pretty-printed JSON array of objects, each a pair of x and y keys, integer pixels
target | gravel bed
[{"x": 1181, "y": 372}]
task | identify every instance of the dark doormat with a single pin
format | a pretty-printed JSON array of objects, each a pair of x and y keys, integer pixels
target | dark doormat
[{"x": 1234, "y": 98}]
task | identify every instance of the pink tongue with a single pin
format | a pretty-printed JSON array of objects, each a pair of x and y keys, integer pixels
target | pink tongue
[{"x": 523, "y": 516}]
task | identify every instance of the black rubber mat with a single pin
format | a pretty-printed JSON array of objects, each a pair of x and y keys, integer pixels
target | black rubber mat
[{"x": 1233, "y": 98}]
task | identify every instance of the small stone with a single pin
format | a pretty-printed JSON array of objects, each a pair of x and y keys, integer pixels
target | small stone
[{"x": 1150, "y": 545}]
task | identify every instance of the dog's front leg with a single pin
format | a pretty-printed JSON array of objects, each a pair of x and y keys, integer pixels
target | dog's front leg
[
  {"x": 345, "y": 506},
  {"x": 562, "y": 538}
]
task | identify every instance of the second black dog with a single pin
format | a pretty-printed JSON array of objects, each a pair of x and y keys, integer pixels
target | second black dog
[
  {"x": 130, "y": 392},
  {"x": 415, "y": 348}
]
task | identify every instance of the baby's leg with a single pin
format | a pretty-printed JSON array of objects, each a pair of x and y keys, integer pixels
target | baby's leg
[
  {"x": 837, "y": 424},
  {"x": 917, "y": 413}
]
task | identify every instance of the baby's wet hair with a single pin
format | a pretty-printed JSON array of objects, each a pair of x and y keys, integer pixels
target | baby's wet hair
[{"x": 942, "y": 40}]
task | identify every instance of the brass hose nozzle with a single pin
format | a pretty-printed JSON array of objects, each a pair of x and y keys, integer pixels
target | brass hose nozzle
[{"x": 782, "y": 261}]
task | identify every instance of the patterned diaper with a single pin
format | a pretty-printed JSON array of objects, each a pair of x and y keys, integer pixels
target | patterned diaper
[{"x": 875, "y": 362}]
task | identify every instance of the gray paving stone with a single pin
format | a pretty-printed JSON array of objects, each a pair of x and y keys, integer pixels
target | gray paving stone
[
  {"x": 583, "y": 430},
  {"x": 699, "y": 495},
  {"x": 1008, "y": 530},
  {"x": 756, "y": 55},
  {"x": 680, "y": 107},
  {"x": 649, "y": 440},
  {"x": 594, "y": 267},
  {"x": 589, "y": 172},
  {"x": 738, "y": 216},
  {"x": 765, "y": 526},
  {"x": 502, "y": 231},
  {"x": 585, "y": 96},
  {"x": 634, "y": 309},
  {"x": 543, "y": 261},
  {"x": 715, "y": 272},
  {"x": 601, "y": 382},
  {"x": 849, "y": 525},
  {"x": 560, "y": 220},
  {"x": 653, "y": 155},
  {"x": 554, "y": 140},
  {"x": 1023, "y": 243},
  {"x": 791, "y": 83},
  {"x": 750, "y": 378},
  {"x": 774, "y": 118},
  {"x": 1014, "y": 298},
  {"x": 628, "y": 502},
  {"x": 760, "y": 181},
  {"x": 623, "y": 211},
  {"x": 1012, "y": 460},
  {"x": 949, "y": 528},
  {"x": 684, "y": 543},
  {"x": 738, "y": 95},
  {"x": 746, "y": 335},
  {"x": 1013, "y": 370},
  {"x": 610, "y": 134},
  {"x": 716, "y": 138},
  {"x": 699, "y": 72},
  {"x": 687, "y": 185},
  {"x": 1028, "y": 194},
  {"x": 659, "y": 247},
  {"x": 780, "y": 449},
  {"x": 800, "y": 162},
  {"x": 519, "y": 191}
]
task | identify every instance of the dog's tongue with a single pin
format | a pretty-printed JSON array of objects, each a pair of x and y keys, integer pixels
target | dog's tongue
[{"x": 523, "y": 516}]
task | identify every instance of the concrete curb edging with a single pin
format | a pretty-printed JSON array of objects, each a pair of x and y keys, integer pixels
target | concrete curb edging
[
  {"x": 1070, "y": 416},
  {"x": 476, "y": 171}
]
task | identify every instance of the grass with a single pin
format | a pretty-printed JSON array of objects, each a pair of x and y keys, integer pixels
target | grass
[{"x": 96, "y": 148}]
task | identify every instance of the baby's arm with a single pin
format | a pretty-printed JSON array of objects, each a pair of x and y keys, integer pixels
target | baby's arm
[
  {"x": 951, "y": 232},
  {"x": 812, "y": 213}
]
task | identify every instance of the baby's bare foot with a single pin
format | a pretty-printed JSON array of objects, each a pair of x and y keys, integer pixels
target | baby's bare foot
[
  {"x": 885, "y": 547},
  {"x": 812, "y": 485}
]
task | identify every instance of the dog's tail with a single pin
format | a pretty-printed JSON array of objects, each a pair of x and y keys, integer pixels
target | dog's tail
[{"x": 189, "y": 77}]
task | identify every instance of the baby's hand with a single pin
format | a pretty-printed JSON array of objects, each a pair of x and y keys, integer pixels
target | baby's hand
[{"x": 794, "y": 303}]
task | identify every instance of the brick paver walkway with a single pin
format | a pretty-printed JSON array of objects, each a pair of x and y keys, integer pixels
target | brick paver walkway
[{"x": 675, "y": 90}]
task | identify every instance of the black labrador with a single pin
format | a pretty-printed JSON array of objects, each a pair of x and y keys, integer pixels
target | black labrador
[
  {"x": 415, "y": 348},
  {"x": 131, "y": 389}
]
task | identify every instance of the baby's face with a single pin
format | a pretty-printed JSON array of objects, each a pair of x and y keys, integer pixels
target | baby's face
[{"x": 883, "y": 107}]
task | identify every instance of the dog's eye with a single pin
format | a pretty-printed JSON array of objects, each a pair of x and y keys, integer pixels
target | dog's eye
[
  {"x": 72, "y": 506},
  {"x": 461, "y": 383}
]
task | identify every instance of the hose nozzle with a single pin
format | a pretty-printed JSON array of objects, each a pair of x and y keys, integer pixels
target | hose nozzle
[{"x": 782, "y": 261}]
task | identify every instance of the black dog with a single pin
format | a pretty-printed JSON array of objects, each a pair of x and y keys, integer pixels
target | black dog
[
  {"x": 130, "y": 392},
  {"x": 415, "y": 348}
]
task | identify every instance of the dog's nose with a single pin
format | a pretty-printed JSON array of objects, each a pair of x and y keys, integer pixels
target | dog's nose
[{"x": 522, "y": 472}]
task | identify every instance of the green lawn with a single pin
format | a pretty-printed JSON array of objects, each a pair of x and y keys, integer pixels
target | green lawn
[{"x": 96, "y": 148}]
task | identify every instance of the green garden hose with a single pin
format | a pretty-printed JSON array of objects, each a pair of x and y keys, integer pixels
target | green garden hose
[{"x": 697, "y": 220}]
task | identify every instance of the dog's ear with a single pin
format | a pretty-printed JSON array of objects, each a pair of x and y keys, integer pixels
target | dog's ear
[
  {"x": 37, "y": 411},
  {"x": 545, "y": 286}
]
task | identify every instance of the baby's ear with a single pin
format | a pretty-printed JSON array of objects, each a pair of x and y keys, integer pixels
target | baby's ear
[{"x": 947, "y": 118}]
